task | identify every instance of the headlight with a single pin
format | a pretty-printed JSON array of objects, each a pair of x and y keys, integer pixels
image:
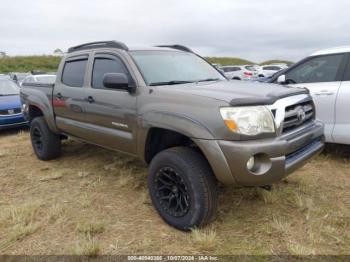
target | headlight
[{"x": 248, "y": 120}]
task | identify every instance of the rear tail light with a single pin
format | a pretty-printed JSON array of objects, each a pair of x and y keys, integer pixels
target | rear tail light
[{"x": 248, "y": 74}]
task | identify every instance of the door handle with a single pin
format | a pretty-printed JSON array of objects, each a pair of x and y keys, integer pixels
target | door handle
[
  {"x": 90, "y": 99},
  {"x": 324, "y": 93},
  {"x": 59, "y": 96}
]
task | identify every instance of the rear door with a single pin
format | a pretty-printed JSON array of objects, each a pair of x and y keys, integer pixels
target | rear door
[
  {"x": 111, "y": 113},
  {"x": 322, "y": 76},
  {"x": 69, "y": 94},
  {"x": 341, "y": 133}
]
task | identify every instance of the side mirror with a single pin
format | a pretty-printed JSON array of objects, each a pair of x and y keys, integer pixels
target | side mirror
[
  {"x": 281, "y": 79},
  {"x": 117, "y": 81}
]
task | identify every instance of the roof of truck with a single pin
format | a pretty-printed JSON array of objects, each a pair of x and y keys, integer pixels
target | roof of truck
[
  {"x": 150, "y": 48},
  {"x": 122, "y": 46},
  {"x": 334, "y": 50}
]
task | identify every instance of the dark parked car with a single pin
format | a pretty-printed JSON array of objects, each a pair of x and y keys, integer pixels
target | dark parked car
[{"x": 10, "y": 105}]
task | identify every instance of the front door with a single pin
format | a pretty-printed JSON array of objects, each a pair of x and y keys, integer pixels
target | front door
[
  {"x": 341, "y": 133},
  {"x": 111, "y": 113}
]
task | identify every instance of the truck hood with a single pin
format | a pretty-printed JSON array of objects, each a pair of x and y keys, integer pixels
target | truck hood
[
  {"x": 10, "y": 102},
  {"x": 239, "y": 93}
]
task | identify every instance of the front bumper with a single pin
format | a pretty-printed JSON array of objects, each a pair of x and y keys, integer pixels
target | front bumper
[
  {"x": 7, "y": 122},
  {"x": 274, "y": 158}
]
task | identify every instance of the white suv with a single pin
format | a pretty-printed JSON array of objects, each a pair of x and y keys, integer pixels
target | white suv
[
  {"x": 269, "y": 70},
  {"x": 240, "y": 72},
  {"x": 326, "y": 74}
]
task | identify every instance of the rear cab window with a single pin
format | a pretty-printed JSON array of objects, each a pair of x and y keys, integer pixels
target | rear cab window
[{"x": 74, "y": 71}]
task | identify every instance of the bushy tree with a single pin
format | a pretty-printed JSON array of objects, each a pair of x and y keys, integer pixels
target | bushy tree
[{"x": 58, "y": 52}]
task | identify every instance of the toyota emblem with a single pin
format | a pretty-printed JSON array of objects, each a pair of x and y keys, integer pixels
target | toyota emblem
[{"x": 301, "y": 114}]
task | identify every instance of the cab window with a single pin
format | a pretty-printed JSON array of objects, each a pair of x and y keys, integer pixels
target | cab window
[
  {"x": 347, "y": 71},
  {"x": 103, "y": 66},
  {"x": 317, "y": 69},
  {"x": 74, "y": 72}
]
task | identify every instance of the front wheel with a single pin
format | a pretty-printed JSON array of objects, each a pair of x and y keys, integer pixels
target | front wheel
[
  {"x": 183, "y": 188},
  {"x": 46, "y": 144}
]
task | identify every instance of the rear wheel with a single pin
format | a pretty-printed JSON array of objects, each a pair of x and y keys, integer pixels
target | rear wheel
[
  {"x": 46, "y": 144},
  {"x": 183, "y": 188}
]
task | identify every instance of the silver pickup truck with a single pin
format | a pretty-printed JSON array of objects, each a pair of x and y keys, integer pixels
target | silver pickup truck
[{"x": 178, "y": 113}]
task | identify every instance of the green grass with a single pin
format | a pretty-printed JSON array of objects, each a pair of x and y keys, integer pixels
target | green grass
[{"x": 29, "y": 63}]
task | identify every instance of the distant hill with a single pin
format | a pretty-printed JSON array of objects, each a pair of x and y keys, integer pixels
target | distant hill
[
  {"x": 228, "y": 61},
  {"x": 276, "y": 62},
  {"x": 239, "y": 61}
]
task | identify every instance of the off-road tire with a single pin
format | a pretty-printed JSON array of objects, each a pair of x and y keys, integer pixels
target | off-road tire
[
  {"x": 198, "y": 180},
  {"x": 46, "y": 144}
]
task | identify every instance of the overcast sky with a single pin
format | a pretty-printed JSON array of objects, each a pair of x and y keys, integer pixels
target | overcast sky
[{"x": 253, "y": 29}]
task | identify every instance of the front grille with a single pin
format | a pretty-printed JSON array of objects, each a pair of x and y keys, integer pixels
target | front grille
[
  {"x": 8, "y": 112},
  {"x": 297, "y": 115}
]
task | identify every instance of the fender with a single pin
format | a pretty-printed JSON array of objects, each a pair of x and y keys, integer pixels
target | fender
[
  {"x": 172, "y": 121},
  {"x": 196, "y": 131},
  {"x": 37, "y": 98}
]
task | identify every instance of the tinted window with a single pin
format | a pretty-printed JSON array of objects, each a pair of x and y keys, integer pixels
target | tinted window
[
  {"x": 250, "y": 68},
  {"x": 103, "y": 66},
  {"x": 231, "y": 69},
  {"x": 317, "y": 69},
  {"x": 347, "y": 72},
  {"x": 74, "y": 72},
  {"x": 275, "y": 68}
]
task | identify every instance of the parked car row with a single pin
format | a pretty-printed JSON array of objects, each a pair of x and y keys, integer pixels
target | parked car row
[
  {"x": 34, "y": 76},
  {"x": 244, "y": 72},
  {"x": 251, "y": 72},
  {"x": 11, "y": 114}
]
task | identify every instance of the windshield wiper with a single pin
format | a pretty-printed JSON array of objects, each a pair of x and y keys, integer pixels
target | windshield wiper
[
  {"x": 174, "y": 82},
  {"x": 208, "y": 79}
]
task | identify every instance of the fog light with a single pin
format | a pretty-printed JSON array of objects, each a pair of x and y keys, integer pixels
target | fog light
[{"x": 250, "y": 163}]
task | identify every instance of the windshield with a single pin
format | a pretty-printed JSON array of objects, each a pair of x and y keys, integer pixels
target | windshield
[
  {"x": 7, "y": 87},
  {"x": 169, "y": 67}
]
